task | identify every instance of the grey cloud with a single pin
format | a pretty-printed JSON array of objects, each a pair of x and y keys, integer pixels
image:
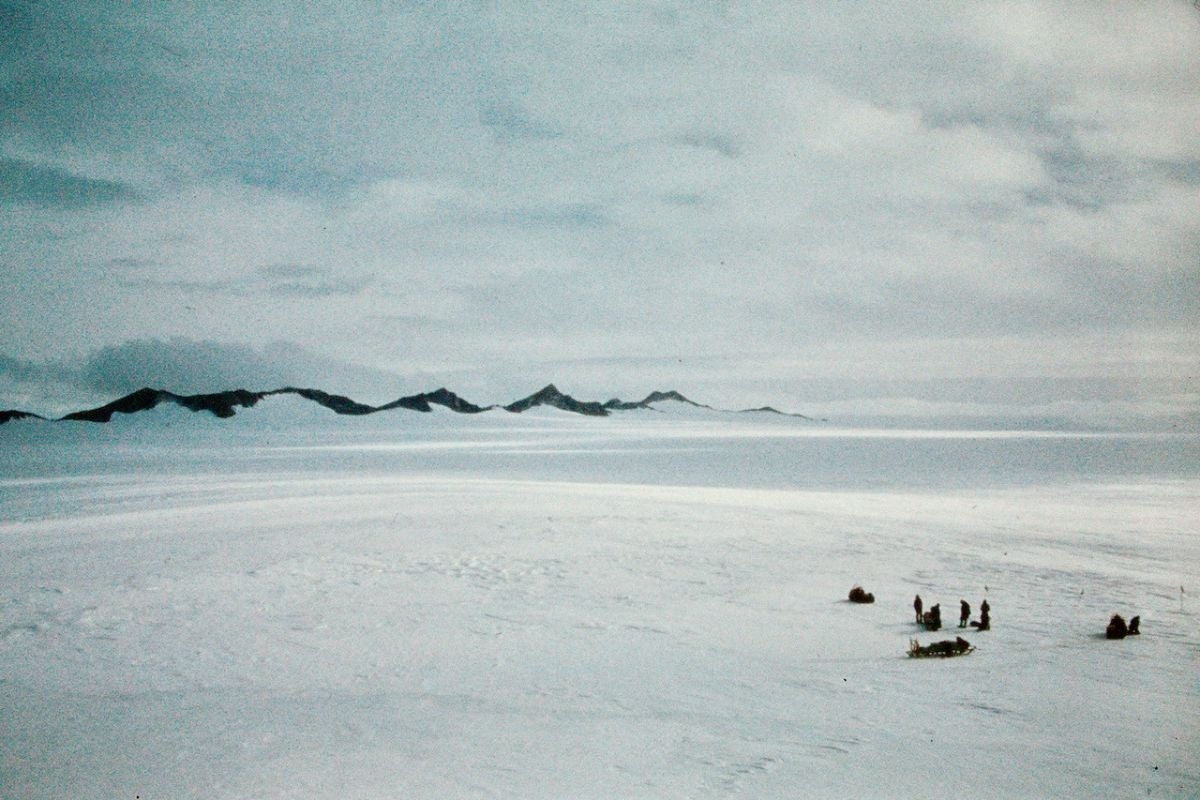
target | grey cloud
[
  {"x": 1085, "y": 182},
  {"x": 1185, "y": 172},
  {"x": 185, "y": 286},
  {"x": 291, "y": 271},
  {"x": 684, "y": 200},
  {"x": 192, "y": 367},
  {"x": 25, "y": 183},
  {"x": 586, "y": 215},
  {"x": 566, "y": 186},
  {"x": 722, "y": 145},
  {"x": 510, "y": 121},
  {"x": 24, "y": 370},
  {"x": 278, "y": 280},
  {"x": 132, "y": 264},
  {"x": 317, "y": 289},
  {"x": 302, "y": 280}
]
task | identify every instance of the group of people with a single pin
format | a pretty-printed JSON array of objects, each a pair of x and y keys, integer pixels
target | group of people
[{"x": 932, "y": 619}]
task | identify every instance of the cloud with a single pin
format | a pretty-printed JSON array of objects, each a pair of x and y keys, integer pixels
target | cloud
[
  {"x": 190, "y": 367},
  {"x": 22, "y": 183},
  {"x": 509, "y": 121},
  {"x": 296, "y": 280},
  {"x": 626, "y": 180},
  {"x": 717, "y": 143}
]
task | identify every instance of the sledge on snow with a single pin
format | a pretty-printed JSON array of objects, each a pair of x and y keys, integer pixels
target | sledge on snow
[
  {"x": 1117, "y": 629},
  {"x": 943, "y": 649},
  {"x": 932, "y": 619},
  {"x": 860, "y": 595}
]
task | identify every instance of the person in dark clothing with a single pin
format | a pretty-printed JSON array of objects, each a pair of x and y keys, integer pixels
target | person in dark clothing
[
  {"x": 964, "y": 613},
  {"x": 985, "y": 619},
  {"x": 918, "y": 606},
  {"x": 1133, "y": 626},
  {"x": 1116, "y": 628}
]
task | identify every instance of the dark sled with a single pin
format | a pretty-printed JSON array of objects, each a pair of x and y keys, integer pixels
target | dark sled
[
  {"x": 943, "y": 649},
  {"x": 860, "y": 595}
]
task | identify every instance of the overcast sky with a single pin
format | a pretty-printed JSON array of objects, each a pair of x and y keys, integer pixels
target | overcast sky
[{"x": 828, "y": 207}]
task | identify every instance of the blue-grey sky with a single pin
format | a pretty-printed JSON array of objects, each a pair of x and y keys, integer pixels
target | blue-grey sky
[{"x": 836, "y": 208}]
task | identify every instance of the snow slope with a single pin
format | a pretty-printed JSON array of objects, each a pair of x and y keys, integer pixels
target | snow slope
[{"x": 550, "y": 607}]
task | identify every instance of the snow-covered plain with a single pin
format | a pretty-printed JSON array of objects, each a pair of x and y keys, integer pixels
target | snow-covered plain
[{"x": 550, "y": 606}]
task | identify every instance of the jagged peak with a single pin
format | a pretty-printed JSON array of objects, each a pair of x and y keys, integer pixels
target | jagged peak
[
  {"x": 140, "y": 400},
  {"x": 337, "y": 403},
  {"x": 549, "y": 390},
  {"x": 649, "y": 400},
  {"x": 444, "y": 397},
  {"x": 549, "y": 395},
  {"x": 671, "y": 394},
  {"x": 13, "y": 414}
]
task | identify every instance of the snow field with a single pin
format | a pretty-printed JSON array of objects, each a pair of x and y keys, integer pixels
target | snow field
[{"x": 362, "y": 635}]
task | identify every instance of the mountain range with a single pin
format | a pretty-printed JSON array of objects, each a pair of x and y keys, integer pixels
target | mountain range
[{"x": 227, "y": 404}]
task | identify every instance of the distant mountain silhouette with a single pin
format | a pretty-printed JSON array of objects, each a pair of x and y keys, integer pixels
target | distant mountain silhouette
[
  {"x": 334, "y": 402},
  {"x": 769, "y": 410},
  {"x": 222, "y": 404},
  {"x": 441, "y": 397},
  {"x": 447, "y": 398},
  {"x": 13, "y": 414},
  {"x": 650, "y": 399},
  {"x": 226, "y": 404},
  {"x": 551, "y": 396}
]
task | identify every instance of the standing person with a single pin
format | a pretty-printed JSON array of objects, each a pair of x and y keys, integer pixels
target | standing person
[
  {"x": 918, "y": 606},
  {"x": 985, "y": 619},
  {"x": 964, "y": 614}
]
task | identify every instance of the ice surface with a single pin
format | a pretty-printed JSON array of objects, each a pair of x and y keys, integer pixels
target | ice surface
[{"x": 543, "y": 606}]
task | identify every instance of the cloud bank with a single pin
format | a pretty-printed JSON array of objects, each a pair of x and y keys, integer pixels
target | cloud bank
[{"x": 770, "y": 195}]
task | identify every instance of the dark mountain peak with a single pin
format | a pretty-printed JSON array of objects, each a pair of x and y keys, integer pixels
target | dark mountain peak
[
  {"x": 441, "y": 397},
  {"x": 334, "y": 402},
  {"x": 549, "y": 395},
  {"x": 447, "y": 398},
  {"x": 650, "y": 399},
  {"x": 143, "y": 399},
  {"x": 671, "y": 394},
  {"x": 13, "y": 414},
  {"x": 415, "y": 402},
  {"x": 220, "y": 404},
  {"x": 770, "y": 410}
]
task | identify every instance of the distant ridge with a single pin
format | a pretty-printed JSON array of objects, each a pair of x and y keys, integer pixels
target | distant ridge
[
  {"x": 440, "y": 397},
  {"x": 650, "y": 399},
  {"x": 334, "y": 402},
  {"x": 228, "y": 403},
  {"x": 13, "y": 414},
  {"x": 551, "y": 396},
  {"x": 769, "y": 410},
  {"x": 222, "y": 404}
]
